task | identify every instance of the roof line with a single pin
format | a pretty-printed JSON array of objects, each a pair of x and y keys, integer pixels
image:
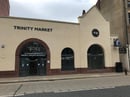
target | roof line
[{"x": 21, "y": 18}]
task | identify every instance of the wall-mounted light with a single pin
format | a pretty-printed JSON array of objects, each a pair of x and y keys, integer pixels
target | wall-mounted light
[{"x": 116, "y": 42}]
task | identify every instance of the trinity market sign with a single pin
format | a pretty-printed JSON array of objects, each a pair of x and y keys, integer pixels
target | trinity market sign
[{"x": 27, "y": 28}]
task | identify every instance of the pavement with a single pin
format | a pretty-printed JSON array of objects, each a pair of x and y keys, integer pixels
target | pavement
[
  {"x": 12, "y": 87},
  {"x": 57, "y": 77}
]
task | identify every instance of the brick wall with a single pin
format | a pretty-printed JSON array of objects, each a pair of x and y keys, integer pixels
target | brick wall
[{"x": 4, "y": 8}]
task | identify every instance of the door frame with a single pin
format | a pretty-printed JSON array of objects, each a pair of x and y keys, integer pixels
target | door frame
[{"x": 18, "y": 52}]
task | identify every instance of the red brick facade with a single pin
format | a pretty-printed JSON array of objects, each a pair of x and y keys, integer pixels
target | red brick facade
[{"x": 4, "y": 8}]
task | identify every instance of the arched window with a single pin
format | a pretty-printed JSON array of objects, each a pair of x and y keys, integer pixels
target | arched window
[
  {"x": 96, "y": 57},
  {"x": 67, "y": 59}
]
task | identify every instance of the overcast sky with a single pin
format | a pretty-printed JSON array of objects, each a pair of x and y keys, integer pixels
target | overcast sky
[{"x": 61, "y": 10}]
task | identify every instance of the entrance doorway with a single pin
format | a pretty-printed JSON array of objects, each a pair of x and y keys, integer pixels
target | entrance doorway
[
  {"x": 33, "y": 66},
  {"x": 96, "y": 57},
  {"x": 33, "y": 59}
]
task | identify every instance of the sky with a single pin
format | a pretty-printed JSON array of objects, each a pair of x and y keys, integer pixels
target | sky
[{"x": 61, "y": 10}]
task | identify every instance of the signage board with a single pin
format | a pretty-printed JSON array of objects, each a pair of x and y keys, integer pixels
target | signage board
[{"x": 122, "y": 50}]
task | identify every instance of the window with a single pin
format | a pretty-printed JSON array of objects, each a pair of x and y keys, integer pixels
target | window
[
  {"x": 128, "y": 3},
  {"x": 67, "y": 60},
  {"x": 129, "y": 17},
  {"x": 33, "y": 49},
  {"x": 95, "y": 32},
  {"x": 96, "y": 57}
]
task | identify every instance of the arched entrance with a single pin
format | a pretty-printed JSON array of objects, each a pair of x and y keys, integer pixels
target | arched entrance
[
  {"x": 32, "y": 58},
  {"x": 96, "y": 57}
]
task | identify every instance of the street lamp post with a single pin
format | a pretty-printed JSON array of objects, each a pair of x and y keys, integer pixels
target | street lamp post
[{"x": 126, "y": 30}]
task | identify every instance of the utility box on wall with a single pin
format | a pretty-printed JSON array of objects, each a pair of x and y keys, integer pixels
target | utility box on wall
[{"x": 118, "y": 67}]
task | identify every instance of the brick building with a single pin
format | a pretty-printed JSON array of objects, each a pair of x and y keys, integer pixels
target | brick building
[{"x": 4, "y": 8}]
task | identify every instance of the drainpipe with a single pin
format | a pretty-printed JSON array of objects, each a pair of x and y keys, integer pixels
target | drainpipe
[{"x": 126, "y": 29}]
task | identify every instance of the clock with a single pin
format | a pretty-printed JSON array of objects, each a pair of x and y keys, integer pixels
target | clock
[{"x": 95, "y": 32}]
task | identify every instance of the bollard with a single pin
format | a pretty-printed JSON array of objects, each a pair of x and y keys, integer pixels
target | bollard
[{"x": 126, "y": 72}]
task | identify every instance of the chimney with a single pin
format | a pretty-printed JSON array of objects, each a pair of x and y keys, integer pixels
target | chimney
[
  {"x": 83, "y": 12},
  {"x": 4, "y": 8}
]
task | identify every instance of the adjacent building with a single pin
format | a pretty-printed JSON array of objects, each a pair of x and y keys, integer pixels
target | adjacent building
[{"x": 117, "y": 12}]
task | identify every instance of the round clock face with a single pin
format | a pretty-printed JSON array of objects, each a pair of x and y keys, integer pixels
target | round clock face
[{"x": 95, "y": 32}]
